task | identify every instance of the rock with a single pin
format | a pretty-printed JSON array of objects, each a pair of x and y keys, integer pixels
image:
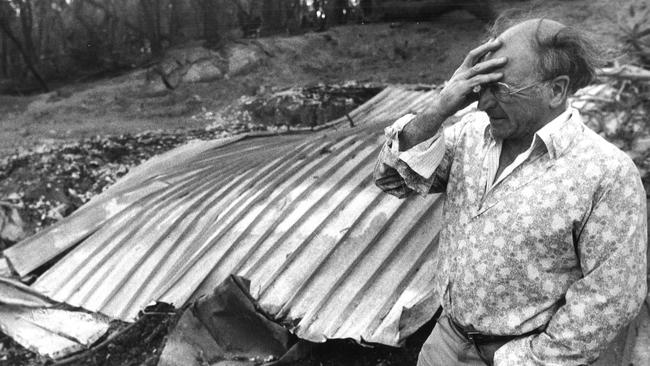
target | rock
[
  {"x": 167, "y": 65},
  {"x": 202, "y": 71},
  {"x": 189, "y": 64},
  {"x": 197, "y": 53},
  {"x": 242, "y": 58},
  {"x": 188, "y": 55},
  {"x": 154, "y": 87}
]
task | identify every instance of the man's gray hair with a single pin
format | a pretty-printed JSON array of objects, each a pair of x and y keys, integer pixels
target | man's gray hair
[{"x": 569, "y": 52}]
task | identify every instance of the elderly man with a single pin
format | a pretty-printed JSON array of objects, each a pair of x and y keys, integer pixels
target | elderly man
[{"x": 542, "y": 255}]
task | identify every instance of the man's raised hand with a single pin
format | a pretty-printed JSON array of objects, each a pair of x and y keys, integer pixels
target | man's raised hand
[{"x": 457, "y": 93}]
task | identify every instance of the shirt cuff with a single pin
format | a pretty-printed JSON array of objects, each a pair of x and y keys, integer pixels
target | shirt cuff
[
  {"x": 422, "y": 158},
  {"x": 392, "y": 131}
]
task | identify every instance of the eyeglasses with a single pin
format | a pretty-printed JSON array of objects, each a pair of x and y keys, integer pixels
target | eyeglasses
[{"x": 504, "y": 92}]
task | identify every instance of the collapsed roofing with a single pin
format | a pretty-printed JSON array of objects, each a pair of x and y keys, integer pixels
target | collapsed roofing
[{"x": 326, "y": 252}]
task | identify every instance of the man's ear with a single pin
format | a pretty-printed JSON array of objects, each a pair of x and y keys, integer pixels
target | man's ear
[{"x": 559, "y": 91}]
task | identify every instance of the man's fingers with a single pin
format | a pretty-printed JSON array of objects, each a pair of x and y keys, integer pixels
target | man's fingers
[
  {"x": 482, "y": 67},
  {"x": 485, "y": 78},
  {"x": 474, "y": 55}
]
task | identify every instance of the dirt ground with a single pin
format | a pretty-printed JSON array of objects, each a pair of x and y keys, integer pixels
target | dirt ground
[{"x": 102, "y": 115}]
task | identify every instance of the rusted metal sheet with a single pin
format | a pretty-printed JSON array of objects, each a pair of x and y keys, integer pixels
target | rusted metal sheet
[{"x": 327, "y": 253}]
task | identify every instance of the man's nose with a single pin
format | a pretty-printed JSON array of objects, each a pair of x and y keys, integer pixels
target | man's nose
[{"x": 486, "y": 100}]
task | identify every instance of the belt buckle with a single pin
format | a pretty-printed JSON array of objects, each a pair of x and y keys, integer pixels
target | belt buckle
[{"x": 471, "y": 335}]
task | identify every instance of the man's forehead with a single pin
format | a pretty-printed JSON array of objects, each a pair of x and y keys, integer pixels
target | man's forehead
[
  {"x": 517, "y": 41},
  {"x": 517, "y": 46},
  {"x": 518, "y": 49},
  {"x": 505, "y": 69}
]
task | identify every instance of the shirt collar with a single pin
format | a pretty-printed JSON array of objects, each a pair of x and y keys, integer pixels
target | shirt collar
[{"x": 557, "y": 135}]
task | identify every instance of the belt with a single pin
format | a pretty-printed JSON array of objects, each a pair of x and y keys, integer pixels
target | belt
[
  {"x": 477, "y": 339},
  {"x": 480, "y": 338}
]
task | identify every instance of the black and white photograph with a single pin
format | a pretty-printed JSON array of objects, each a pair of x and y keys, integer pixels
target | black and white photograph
[{"x": 324, "y": 182}]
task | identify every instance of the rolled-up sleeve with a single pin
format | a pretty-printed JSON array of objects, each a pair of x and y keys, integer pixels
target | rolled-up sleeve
[
  {"x": 611, "y": 246},
  {"x": 424, "y": 168}
]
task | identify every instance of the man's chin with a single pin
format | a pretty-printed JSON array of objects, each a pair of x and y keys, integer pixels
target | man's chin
[{"x": 497, "y": 128}]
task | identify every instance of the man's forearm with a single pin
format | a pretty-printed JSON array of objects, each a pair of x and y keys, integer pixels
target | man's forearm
[{"x": 424, "y": 126}]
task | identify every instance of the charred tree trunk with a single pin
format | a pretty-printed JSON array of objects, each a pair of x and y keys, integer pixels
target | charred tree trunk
[
  {"x": 27, "y": 26},
  {"x": 87, "y": 54},
  {"x": 250, "y": 24},
  {"x": 335, "y": 12},
  {"x": 176, "y": 18},
  {"x": 366, "y": 7},
  {"x": 4, "y": 59},
  {"x": 28, "y": 61},
  {"x": 152, "y": 24},
  {"x": 273, "y": 17},
  {"x": 111, "y": 14},
  {"x": 423, "y": 10},
  {"x": 26, "y": 46},
  {"x": 210, "y": 13}
]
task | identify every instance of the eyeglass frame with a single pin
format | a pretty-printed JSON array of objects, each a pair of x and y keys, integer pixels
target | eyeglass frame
[{"x": 511, "y": 92}]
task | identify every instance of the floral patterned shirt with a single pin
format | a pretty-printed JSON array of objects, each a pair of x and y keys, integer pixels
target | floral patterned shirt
[{"x": 558, "y": 242}]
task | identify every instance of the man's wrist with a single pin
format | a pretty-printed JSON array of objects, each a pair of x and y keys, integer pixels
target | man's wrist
[
  {"x": 438, "y": 110},
  {"x": 424, "y": 126}
]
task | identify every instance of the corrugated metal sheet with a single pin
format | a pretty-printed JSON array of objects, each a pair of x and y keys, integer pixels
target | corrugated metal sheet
[
  {"x": 42, "y": 326},
  {"x": 325, "y": 250}
]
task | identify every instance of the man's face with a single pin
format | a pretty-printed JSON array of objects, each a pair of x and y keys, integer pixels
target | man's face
[{"x": 522, "y": 114}]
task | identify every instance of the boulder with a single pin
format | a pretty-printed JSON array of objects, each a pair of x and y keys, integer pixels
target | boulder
[
  {"x": 200, "y": 71},
  {"x": 242, "y": 58},
  {"x": 188, "y": 64},
  {"x": 189, "y": 55}
]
